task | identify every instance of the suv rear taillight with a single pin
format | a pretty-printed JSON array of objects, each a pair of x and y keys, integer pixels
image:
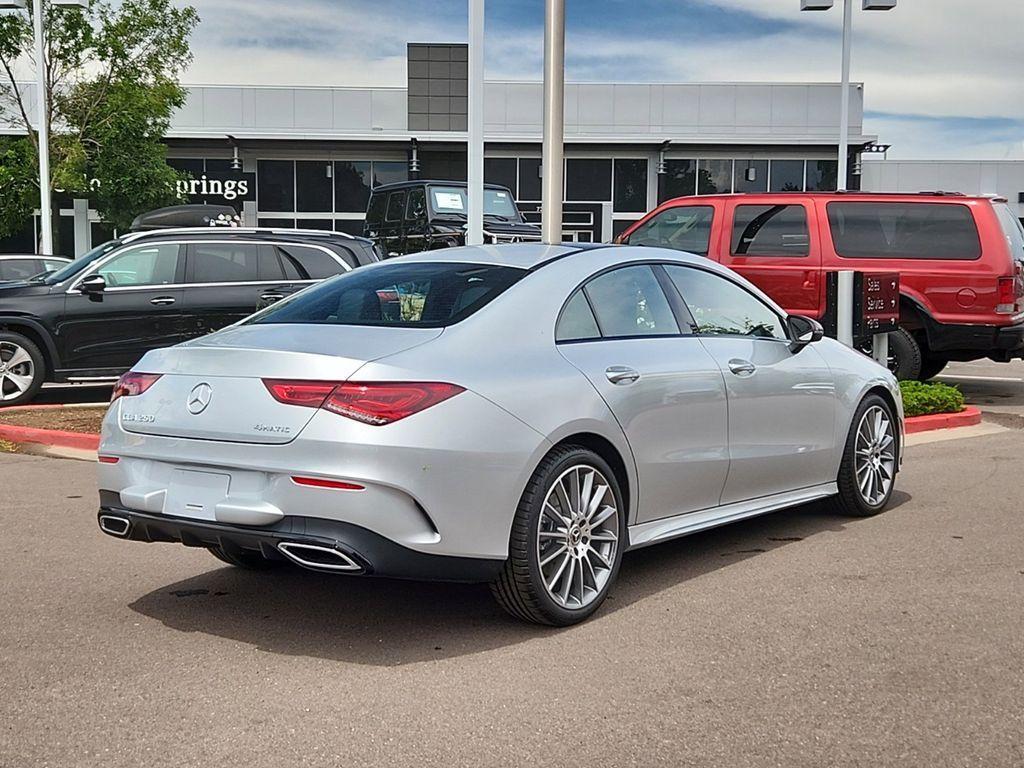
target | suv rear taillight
[
  {"x": 133, "y": 384},
  {"x": 1010, "y": 291},
  {"x": 375, "y": 403}
]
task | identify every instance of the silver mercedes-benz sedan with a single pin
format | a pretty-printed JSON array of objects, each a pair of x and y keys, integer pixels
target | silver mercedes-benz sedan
[{"x": 517, "y": 414}]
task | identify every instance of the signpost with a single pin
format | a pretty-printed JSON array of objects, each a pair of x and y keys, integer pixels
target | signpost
[{"x": 863, "y": 308}]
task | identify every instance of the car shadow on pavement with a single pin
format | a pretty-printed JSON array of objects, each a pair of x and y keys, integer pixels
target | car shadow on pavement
[{"x": 384, "y": 622}]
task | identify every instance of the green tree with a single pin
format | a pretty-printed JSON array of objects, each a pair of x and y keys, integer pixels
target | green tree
[{"x": 112, "y": 76}]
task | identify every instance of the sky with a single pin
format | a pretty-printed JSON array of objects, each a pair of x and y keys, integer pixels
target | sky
[{"x": 943, "y": 78}]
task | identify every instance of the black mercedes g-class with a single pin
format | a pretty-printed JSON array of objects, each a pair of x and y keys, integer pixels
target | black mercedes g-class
[{"x": 413, "y": 216}]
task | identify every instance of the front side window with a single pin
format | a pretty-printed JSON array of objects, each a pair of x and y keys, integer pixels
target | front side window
[
  {"x": 144, "y": 265},
  {"x": 19, "y": 269},
  {"x": 770, "y": 230},
  {"x": 684, "y": 228},
  {"x": 904, "y": 230},
  {"x": 396, "y": 204},
  {"x": 722, "y": 308},
  {"x": 417, "y": 295},
  {"x": 416, "y": 208},
  {"x": 629, "y": 302},
  {"x": 224, "y": 263}
]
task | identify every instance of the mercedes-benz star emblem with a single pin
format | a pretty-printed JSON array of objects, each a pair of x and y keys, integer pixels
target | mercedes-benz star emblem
[{"x": 199, "y": 398}]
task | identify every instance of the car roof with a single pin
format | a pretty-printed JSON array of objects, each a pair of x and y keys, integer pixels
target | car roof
[
  {"x": 848, "y": 195},
  {"x": 421, "y": 182},
  {"x": 32, "y": 256},
  {"x": 533, "y": 256},
  {"x": 276, "y": 235}
]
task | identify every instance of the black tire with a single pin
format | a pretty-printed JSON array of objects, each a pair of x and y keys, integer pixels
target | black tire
[
  {"x": 9, "y": 340},
  {"x": 932, "y": 367},
  {"x": 905, "y": 355},
  {"x": 520, "y": 588},
  {"x": 244, "y": 558},
  {"x": 850, "y": 499}
]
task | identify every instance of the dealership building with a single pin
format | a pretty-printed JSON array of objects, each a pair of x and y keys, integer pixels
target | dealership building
[{"x": 309, "y": 156}]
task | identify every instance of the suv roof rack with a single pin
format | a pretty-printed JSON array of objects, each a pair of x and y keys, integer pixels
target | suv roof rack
[{"x": 131, "y": 236}]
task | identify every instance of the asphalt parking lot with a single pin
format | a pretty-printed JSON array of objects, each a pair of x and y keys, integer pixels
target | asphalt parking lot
[{"x": 800, "y": 639}]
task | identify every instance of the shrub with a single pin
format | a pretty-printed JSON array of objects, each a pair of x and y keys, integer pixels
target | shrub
[{"x": 920, "y": 399}]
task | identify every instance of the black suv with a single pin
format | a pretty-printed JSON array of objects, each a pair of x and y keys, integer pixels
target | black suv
[
  {"x": 413, "y": 216},
  {"x": 97, "y": 316}
]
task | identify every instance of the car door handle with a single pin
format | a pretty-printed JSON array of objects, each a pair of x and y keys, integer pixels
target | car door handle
[
  {"x": 742, "y": 367},
  {"x": 272, "y": 296},
  {"x": 621, "y": 374},
  {"x": 162, "y": 301}
]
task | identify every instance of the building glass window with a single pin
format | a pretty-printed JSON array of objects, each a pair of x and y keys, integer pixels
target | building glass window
[
  {"x": 327, "y": 224},
  {"x": 630, "y": 186},
  {"x": 787, "y": 176},
  {"x": 314, "y": 188},
  {"x": 529, "y": 178},
  {"x": 386, "y": 172},
  {"x": 276, "y": 185},
  {"x": 822, "y": 175},
  {"x": 714, "y": 177},
  {"x": 501, "y": 170},
  {"x": 679, "y": 179},
  {"x": 351, "y": 186},
  {"x": 349, "y": 226},
  {"x": 276, "y": 223},
  {"x": 588, "y": 179},
  {"x": 751, "y": 176}
]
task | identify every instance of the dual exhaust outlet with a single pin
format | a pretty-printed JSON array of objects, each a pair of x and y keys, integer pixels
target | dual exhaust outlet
[{"x": 316, "y": 557}]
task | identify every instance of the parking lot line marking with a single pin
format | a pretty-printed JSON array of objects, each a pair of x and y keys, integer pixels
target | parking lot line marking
[{"x": 979, "y": 378}]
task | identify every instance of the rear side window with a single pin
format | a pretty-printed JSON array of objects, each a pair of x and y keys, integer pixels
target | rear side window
[
  {"x": 314, "y": 262},
  {"x": 684, "y": 228},
  {"x": 418, "y": 295},
  {"x": 224, "y": 263},
  {"x": 375, "y": 212},
  {"x": 629, "y": 302},
  {"x": 868, "y": 230},
  {"x": 396, "y": 204},
  {"x": 1013, "y": 230},
  {"x": 770, "y": 230},
  {"x": 577, "y": 322}
]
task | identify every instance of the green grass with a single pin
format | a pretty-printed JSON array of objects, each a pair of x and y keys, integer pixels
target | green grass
[{"x": 920, "y": 399}]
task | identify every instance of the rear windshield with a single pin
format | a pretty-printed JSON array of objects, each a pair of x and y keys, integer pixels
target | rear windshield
[
  {"x": 903, "y": 230},
  {"x": 415, "y": 295}
]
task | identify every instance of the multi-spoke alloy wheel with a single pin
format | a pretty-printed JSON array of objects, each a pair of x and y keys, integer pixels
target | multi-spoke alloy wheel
[
  {"x": 578, "y": 536},
  {"x": 20, "y": 370},
  {"x": 876, "y": 455},
  {"x": 567, "y": 540},
  {"x": 871, "y": 459}
]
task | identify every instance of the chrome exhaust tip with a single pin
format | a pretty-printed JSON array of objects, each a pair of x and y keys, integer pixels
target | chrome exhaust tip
[
  {"x": 318, "y": 558},
  {"x": 115, "y": 526}
]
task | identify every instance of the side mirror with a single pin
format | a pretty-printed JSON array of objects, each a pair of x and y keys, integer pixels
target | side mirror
[
  {"x": 93, "y": 284},
  {"x": 803, "y": 331}
]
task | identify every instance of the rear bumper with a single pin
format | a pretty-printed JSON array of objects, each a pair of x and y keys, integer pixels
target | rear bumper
[
  {"x": 370, "y": 553},
  {"x": 1003, "y": 342}
]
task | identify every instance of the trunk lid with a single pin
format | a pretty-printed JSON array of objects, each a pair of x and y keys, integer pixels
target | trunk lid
[{"x": 212, "y": 388}]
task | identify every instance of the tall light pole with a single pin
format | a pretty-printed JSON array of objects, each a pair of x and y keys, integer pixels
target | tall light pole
[
  {"x": 844, "y": 103},
  {"x": 554, "y": 121},
  {"x": 475, "y": 124},
  {"x": 42, "y": 110}
]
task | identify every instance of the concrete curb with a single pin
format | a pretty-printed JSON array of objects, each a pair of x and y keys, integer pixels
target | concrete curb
[
  {"x": 968, "y": 417},
  {"x": 79, "y": 441}
]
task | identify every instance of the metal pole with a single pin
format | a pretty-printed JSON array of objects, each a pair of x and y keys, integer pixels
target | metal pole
[
  {"x": 554, "y": 121},
  {"x": 475, "y": 138},
  {"x": 844, "y": 308},
  {"x": 46, "y": 215},
  {"x": 844, "y": 109}
]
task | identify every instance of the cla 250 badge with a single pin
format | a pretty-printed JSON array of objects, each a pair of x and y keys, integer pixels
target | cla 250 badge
[
  {"x": 138, "y": 418},
  {"x": 273, "y": 428}
]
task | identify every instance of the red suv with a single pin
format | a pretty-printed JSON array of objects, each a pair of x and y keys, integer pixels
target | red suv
[{"x": 960, "y": 259}]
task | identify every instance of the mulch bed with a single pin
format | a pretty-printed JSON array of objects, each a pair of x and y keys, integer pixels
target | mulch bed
[{"x": 85, "y": 420}]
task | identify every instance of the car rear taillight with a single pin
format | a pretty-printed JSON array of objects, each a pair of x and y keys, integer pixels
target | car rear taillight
[
  {"x": 1010, "y": 290},
  {"x": 309, "y": 394},
  {"x": 375, "y": 403},
  {"x": 133, "y": 384}
]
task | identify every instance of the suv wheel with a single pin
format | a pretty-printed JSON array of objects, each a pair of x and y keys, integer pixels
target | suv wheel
[
  {"x": 22, "y": 369},
  {"x": 932, "y": 367},
  {"x": 567, "y": 540},
  {"x": 905, "y": 355},
  {"x": 867, "y": 474}
]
